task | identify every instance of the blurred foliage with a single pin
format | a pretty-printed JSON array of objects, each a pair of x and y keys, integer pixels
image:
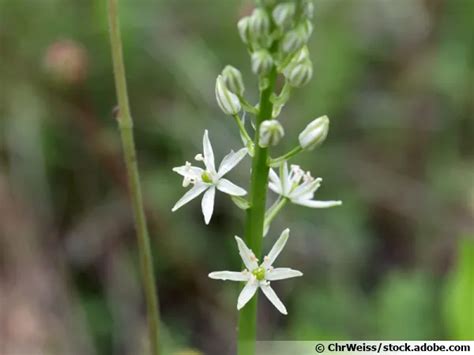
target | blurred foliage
[
  {"x": 459, "y": 293},
  {"x": 396, "y": 78}
]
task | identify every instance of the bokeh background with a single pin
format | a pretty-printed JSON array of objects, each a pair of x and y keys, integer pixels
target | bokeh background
[{"x": 396, "y": 261}]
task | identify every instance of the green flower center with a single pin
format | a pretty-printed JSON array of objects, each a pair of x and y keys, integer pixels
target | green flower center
[
  {"x": 259, "y": 273},
  {"x": 206, "y": 177}
]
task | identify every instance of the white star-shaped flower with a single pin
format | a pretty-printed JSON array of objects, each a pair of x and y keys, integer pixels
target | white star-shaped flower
[
  {"x": 209, "y": 179},
  {"x": 259, "y": 276},
  {"x": 298, "y": 186}
]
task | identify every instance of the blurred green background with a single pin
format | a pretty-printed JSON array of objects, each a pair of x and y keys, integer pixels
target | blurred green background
[{"x": 396, "y": 261}]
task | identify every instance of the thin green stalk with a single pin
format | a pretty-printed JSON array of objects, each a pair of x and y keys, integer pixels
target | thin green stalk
[
  {"x": 126, "y": 132},
  {"x": 285, "y": 157},
  {"x": 255, "y": 218},
  {"x": 247, "y": 106},
  {"x": 273, "y": 211},
  {"x": 242, "y": 129}
]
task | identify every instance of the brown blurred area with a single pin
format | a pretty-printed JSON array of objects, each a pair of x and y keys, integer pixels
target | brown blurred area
[{"x": 396, "y": 78}]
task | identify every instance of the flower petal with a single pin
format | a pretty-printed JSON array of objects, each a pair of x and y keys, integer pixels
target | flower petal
[
  {"x": 273, "y": 177},
  {"x": 191, "y": 194},
  {"x": 274, "y": 182},
  {"x": 275, "y": 188},
  {"x": 230, "y": 188},
  {"x": 247, "y": 255},
  {"x": 247, "y": 293},
  {"x": 306, "y": 189},
  {"x": 277, "y": 248},
  {"x": 207, "y": 204},
  {"x": 316, "y": 204},
  {"x": 188, "y": 171},
  {"x": 273, "y": 298},
  {"x": 285, "y": 179},
  {"x": 208, "y": 153},
  {"x": 231, "y": 160},
  {"x": 229, "y": 275},
  {"x": 281, "y": 273}
]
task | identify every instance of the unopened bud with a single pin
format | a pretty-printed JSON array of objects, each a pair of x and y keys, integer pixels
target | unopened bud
[
  {"x": 295, "y": 39},
  {"x": 270, "y": 133},
  {"x": 300, "y": 74},
  {"x": 302, "y": 55},
  {"x": 283, "y": 14},
  {"x": 228, "y": 101},
  {"x": 262, "y": 62},
  {"x": 315, "y": 133},
  {"x": 244, "y": 30},
  {"x": 308, "y": 9},
  {"x": 233, "y": 80},
  {"x": 259, "y": 25}
]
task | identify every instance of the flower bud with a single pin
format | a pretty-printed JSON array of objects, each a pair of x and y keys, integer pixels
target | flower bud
[
  {"x": 270, "y": 133},
  {"x": 259, "y": 25},
  {"x": 244, "y": 30},
  {"x": 228, "y": 101},
  {"x": 300, "y": 74},
  {"x": 314, "y": 133},
  {"x": 302, "y": 55},
  {"x": 262, "y": 62},
  {"x": 295, "y": 39},
  {"x": 308, "y": 9},
  {"x": 233, "y": 80},
  {"x": 283, "y": 14}
]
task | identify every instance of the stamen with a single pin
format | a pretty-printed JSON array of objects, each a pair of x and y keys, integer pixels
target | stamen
[
  {"x": 199, "y": 157},
  {"x": 307, "y": 177},
  {"x": 186, "y": 182}
]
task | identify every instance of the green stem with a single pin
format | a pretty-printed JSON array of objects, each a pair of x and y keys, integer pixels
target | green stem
[
  {"x": 243, "y": 131},
  {"x": 273, "y": 211},
  {"x": 126, "y": 132},
  {"x": 277, "y": 161},
  {"x": 255, "y": 218}
]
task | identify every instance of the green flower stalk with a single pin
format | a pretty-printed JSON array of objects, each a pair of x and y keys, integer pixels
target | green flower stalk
[
  {"x": 126, "y": 132},
  {"x": 276, "y": 35}
]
